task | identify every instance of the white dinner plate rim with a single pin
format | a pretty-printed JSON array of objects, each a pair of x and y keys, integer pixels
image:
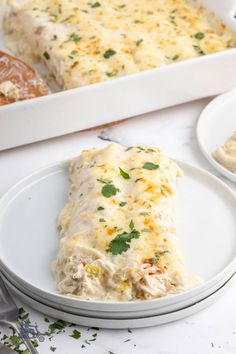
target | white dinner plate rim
[
  {"x": 121, "y": 314},
  {"x": 122, "y": 323},
  {"x": 59, "y": 166},
  {"x": 200, "y": 123}
]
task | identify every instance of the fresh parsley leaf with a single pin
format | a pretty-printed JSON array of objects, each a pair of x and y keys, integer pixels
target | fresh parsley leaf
[
  {"x": 131, "y": 225},
  {"x": 102, "y": 220},
  {"x": 176, "y": 57},
  {"x": 46, "y": 55},
  {"x": 124, "y": 174},
  {"x": 122, "y": 204},
  {"x": 96, "y": 4},
  {"x": 199, "y": 50},
  {"x": 138, "y": 179},
  {"x": 199, "y": 35},
  {"x": 15, "y": 340},
  {"x": 53, "y": 349},
  {"x": 121, "y": 243},
  {"x": 110, "y": 74},
  {"x": 76, "y": 334},
  {"x": 109, "y": 190},
  {"x": 109, "y": 53},
  {"x": 150, "y": 166},
  {"x": 100, "y": 208},
  {"x": 139, "y": 42},
  {"x": 75, "y": 38},
  {"x": 104, "y": 181},
  {"x": 154, "y": 260},
  {"x": 58, "y": 325}
]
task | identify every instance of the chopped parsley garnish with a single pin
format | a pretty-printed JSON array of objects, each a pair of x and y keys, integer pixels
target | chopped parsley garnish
[
  {"x": 110, "y": 74},
  {"x": 76, "y": 334},
  {"x": 175, "y": 57},
  {"x": 109, "y": 53},
  {"x": 54, "y": 38},
  {"x": 46, "y": 55},
  {"x": 95, "y": 4},
  {"x": 139, "y": 42},
  {"x": 150, "y": 166},
  {"x": 53, "y": 349},
  {"x": 124, "y": 174},
  {"x": 109, "y": 190},
  {"x": 100, "y": 208},
  {"x": 199, "y": 35},
  {"x": 138, "y": 179},
  {"x": 129, "y": 148},
  {"x": 57, "y": 326},
  {"x": 102, "y": 220},
  {"x": 121, "y": 243},
  {"x": 122, "y": 204},
  {"x": 199, "y": 50},
  {"x": 75, "y": 38},
  {"x": 153, "y": 260},
  {"x": 15, "y": 340},
  {"x": 131, "y": 225},
  {"x": 105, "y": 181}
]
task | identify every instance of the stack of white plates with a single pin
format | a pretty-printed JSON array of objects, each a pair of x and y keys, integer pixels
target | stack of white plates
[{"x": 29, "y": 241}]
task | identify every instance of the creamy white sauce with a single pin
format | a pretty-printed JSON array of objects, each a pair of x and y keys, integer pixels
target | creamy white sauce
[{"x": 226, "y": 155}]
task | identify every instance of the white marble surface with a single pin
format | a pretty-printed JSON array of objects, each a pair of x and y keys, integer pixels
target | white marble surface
[{"x": 210, "y": 331}]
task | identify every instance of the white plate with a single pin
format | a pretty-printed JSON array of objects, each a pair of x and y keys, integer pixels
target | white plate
[
  {"x": 158, "y": 310},
  {"x": 29, "y": 238},
  {"x": 216, "y": 124},
  {"x": 69, "y": 111},
  {"x": 119, "y": 323}
]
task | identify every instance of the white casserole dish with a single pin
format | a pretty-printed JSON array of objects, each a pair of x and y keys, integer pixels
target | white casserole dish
[{"x": 89, "y": 106}]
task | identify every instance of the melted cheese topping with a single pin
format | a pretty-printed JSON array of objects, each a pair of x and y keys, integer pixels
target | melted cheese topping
[
  {"x": 87, "y": 42},
  {"x": 120, "y": 194}
]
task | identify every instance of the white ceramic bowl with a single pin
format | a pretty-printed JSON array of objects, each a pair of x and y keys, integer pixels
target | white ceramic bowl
[{"x": 216, "y": 124}]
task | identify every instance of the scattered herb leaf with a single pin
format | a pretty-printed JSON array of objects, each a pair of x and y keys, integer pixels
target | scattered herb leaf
[
  {"x": 139, "y": 42},
  {"x": 109, "y": 53},
  {"x": 76, "y": 334},
  {"x": 199, "y": 35},
  {"x": 124, "y": 174},
  {"x": 150, "y": 166},
  {"x": 110, "y": 74},
  {"x": 121, "y": 243},
  {"x": 131, "y": 225},
  {"x": 95, "y": 4},
  {"x": 75, "y": 37},
  {"x": 109, "y": 190},
  {"x": 46, "y": 55}
]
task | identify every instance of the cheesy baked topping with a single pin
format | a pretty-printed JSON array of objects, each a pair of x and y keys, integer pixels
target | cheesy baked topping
[
  {"x": 118, "y": 236},
  {"x": 85, "y": 42}
]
